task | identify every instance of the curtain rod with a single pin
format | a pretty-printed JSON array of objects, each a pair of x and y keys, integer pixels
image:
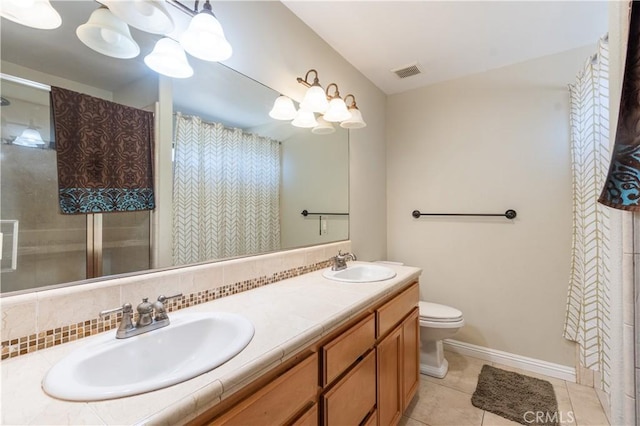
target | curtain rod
[{"x": 25, "y": 82}]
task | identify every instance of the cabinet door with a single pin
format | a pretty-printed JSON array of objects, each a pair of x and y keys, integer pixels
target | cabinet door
[
  {"x": 411, "y": 357},
  {"x": 389, "y": 353}
]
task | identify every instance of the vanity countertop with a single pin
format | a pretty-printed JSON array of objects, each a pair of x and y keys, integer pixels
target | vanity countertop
[{"x": 288, "y": 316}]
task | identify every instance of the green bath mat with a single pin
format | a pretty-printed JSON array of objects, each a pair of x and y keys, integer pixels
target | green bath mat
[{"x": 522, "y": 399}]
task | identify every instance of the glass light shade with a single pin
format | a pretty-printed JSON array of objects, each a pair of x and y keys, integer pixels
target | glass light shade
[
  {"x": 168, "y": 58},
  {"x": 355, "y": 122},
  {"x": 107, "y": 34},
  {"x": 315, "y": 100},
  {"x": 323, "y": 127},
  {"x": 31, "y": 13},
  {"x": 337, "y": 110},
  {"x": 283, "y": 109},
  {"x": 29, "y": 137},
  {"x": 304, "y": 119},
  {"x": 146, "y": 15},
  {"x": 205, "y": 39}
]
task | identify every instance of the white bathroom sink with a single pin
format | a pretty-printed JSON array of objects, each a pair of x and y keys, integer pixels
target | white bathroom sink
[
  {"x": 106, "y": 368},
  {"x": 360, "y": 273}
]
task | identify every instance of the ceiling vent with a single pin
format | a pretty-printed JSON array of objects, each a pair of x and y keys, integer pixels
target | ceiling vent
[{"x": 407, "y": 71}]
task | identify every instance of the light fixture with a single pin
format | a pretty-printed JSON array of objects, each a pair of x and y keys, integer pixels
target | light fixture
[
  {"x": 146, "y": 15},
  {"x": 283, "y": 109},
  {"x": 30, "y": 137},
  {"x": 31, "y": 13},
  {"x": 315, "y": 100},
  {"x": 337, "y": 110},
  {"x": 356, "y": 121},
  {"x": 204, "y": 37},
  {"x": 168, "y": 58},
  {"x": 323, "y": 127},
  {"x": 304, "y": 119},
  {"x": 107, "y": 34}
]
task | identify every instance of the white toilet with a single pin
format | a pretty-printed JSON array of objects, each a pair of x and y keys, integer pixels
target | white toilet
[{"x": 437, "y": 322}]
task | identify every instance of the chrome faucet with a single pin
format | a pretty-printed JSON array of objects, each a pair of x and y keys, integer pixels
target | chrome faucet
[
  {"x": 340, "y": 261},
  {"x": 146, "y": 319}
]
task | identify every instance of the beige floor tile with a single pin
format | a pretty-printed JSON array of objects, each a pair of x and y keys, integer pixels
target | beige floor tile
[
  {"x": 565, "y": 409},
  {"x": 408, "y": 421},
  {"x": 586, "y": 406},
  {"x": 438, "y": 405},
  {"x": 463, "y": 373},
  {"x": 491, "y": 419}
]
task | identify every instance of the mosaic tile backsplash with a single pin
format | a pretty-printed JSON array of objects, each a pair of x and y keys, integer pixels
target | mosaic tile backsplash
[{"x": 17, "y": 346}]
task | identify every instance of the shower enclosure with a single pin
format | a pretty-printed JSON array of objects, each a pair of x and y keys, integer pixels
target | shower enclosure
[{"x": 41, "y": 246}]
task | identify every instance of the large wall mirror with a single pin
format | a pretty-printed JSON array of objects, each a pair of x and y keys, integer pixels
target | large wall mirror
[{"x": 41, "y": 247}]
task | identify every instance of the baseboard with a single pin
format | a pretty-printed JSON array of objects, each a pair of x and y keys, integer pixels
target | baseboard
[{"x": 550, "y": 369}]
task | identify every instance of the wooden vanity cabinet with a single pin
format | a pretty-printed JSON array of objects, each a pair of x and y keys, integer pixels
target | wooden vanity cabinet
[{"x": 365, "y": 373}]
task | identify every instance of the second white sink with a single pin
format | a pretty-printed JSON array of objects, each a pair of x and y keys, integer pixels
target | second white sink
[
  {"x": 360, "y": 273},
  {"x": 106, "y": 368}
]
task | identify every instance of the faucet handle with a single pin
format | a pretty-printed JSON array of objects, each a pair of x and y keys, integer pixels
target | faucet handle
[
  {"x": 161, "y": 312},
  {"x": 162, "y": 298},
  {"x": 125, "y": 309},
  {"x": 126, "y": 324}
]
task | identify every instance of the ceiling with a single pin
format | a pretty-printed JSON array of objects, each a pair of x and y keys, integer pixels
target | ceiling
[{"x": 448, "y": 39}]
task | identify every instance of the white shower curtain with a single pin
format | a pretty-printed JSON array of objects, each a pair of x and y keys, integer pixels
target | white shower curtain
[
  {"x": 587, "y": 318},
  {"x": 226, "y": 192}
]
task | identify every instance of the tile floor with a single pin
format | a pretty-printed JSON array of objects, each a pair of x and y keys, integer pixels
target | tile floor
[{"x": 447, "y": 402}]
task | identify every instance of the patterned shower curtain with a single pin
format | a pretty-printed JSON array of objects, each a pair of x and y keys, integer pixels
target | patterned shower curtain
[
  {"x": 226, "y": 192},
  {"x": 587, "y": 317}
]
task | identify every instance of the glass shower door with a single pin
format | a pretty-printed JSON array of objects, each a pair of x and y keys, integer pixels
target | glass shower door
[{"x": 41, "y": 246}]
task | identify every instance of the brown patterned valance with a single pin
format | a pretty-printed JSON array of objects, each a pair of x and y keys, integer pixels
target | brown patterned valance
[{"x": 104, "y": 154}]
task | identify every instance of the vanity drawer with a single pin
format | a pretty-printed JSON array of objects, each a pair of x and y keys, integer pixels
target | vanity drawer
[
  {"x": 280, "y": 400},
  {"x": 392, "y": 312},
  {"x": 309, "y": 418},
  {"x": 354, "y": 396},
  {"x": 345, "y": 349}
]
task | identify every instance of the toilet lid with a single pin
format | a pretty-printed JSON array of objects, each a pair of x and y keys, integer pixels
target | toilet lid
[{"x": 437, "y": 312}]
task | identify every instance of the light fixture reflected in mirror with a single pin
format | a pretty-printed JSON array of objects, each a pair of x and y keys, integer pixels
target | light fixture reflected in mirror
[
  {"x": 204, "y": 38},
  {"x": 337, "y": 110},
  {"x": 168, "y": 58},
  {"x": 304, "y": 119},
  {"x": 323, "y": 127},
  {"x": 146, "y": 15},
  {"x": 356, "y": 121},
  {"x": 31, "y": 13},
  {"x": 283, "y": 109},
  {"x": 315, "y": 99},
  {"x": 107, "y": 34},
  {"x": 30, "y": 137}
]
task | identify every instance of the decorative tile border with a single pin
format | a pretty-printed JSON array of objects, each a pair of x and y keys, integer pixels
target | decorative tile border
[{"x": 69, "y": 333}]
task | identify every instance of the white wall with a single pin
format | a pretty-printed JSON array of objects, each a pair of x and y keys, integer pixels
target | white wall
[
  {"x": 487, "y": 143},
  {"x": 274, "y": 47}
]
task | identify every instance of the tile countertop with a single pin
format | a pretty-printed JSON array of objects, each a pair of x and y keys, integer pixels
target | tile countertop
[{"x": 287, "y": 316}]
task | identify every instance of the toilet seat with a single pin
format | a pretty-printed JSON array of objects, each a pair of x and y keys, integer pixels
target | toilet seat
[{"x": 439, "y": 316}]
